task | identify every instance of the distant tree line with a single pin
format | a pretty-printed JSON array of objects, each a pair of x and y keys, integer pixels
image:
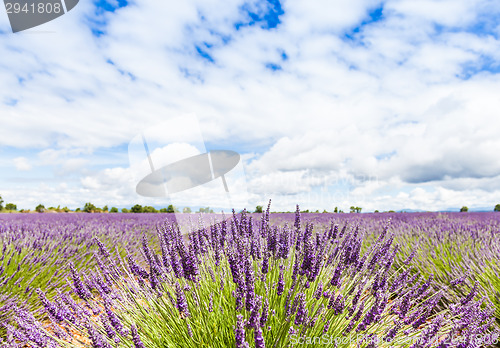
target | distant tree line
[
  {"x": 355, "y": 209},
  {"x": 92, "y": 208},
  {"x": 137, "y": 208}
]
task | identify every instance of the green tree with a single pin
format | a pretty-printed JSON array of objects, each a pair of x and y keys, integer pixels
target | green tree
[
  {"x": 1, "y": 202},
  {"x": 136, "y": 209},
  {"x": 186, "y": 210},
  {"x": 149, "y": 209},
  {"x": 354, "y": 209},
  {"x": 258, "y": 209},
  {"x": 497, "y": 207},
  {"x": 170, "y": 209},
  {"x": 89, "y": 208},
  {"x": 336, "y": 210},
  {"x": 464, "y": 209},
  {"x": 163, "y": 210},
  {"x": 204, "y": 210},
  {"x": 40, "y": 208},
  {"x": 105, "y": 208},
  {"x": 11, "y": 206},
  {"x": 113, "y": 210},
  {"x": 125, "y": 210}
]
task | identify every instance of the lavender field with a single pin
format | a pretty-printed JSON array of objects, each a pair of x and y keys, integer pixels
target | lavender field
[{"x": 250, "y": 280}]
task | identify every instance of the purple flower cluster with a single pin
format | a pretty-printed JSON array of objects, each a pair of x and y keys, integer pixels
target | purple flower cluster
[{"x": 284, "y": 280}]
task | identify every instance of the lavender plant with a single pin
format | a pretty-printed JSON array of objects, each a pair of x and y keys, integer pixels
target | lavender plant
[
  {"x": 36, "y": 250},
  {"x": 248, "y": 283},
  {"x": 458, "y": 250}
]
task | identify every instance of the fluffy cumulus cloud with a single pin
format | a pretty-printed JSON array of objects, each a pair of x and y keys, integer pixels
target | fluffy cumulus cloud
[
  {"x": 22, "y": 164},
  {"x": 379, "y": 104}
]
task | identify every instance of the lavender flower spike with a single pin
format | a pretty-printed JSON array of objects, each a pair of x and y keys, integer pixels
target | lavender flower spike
[
  {"x": 259, "y": 340},
  {"x": 239, "y": 333},
  {"x": 182, "y": 305},
  {"x": 136, "y": 339}
]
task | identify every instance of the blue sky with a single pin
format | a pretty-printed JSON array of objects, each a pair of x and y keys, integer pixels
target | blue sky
[{"x": 378, "y": 104}]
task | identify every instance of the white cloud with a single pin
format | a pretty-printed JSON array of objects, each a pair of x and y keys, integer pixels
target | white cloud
[
  {"x": 410, "y": 100},
  {"x": 22, "y": 164}
]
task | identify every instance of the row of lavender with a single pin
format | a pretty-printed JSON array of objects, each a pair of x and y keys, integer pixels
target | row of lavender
[
  {"x": 36, "y": 248},
  {"x": 251, "y": 282},
  {"x": 446, "y": 245}
]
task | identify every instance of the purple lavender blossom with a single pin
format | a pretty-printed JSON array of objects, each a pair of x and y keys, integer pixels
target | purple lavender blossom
[
  {"x": 58, "y": 311},
  {"x": 400, "y": 280},
  {"x": 113, "y": 318},
  {"x": 470, "y": 296},
  {"x": 335, "y": 281},
  {"x": 459, "y": 280},
  {"x": 239, "y": 332},
  {"x": 308, "y": 260},
  {"x": 265, "y": 263},
  {"x": 284, "y": 243},
  {"x": 253, "y": 321},
  {"x": 281, "y": 284},
  {"x": 393, "y": 331},
  {"x": 425, "y": 286},
  {"x": 102, "y": 248},
  {"x": 182, "y": 304},
  {"x": 96, "y": 338},
  {"x": 404, "y": 306},
  {"x": 136, "y": 338},
  {"x": 189, "y": 265},
  {"x": 296, "y": 267},
  {"x": 319, "y": 291},
  {"x": 302, "y": 312},
  {"x": 326, "y": 327},
  {"x": 339, "y": 305},
  {"x": 136, "y": 269},
  {"x": 432, "y": 329},
  {"x": 79, "y": 287},
  {"x": 249, "y": 285},
  {"x": 28, "y": 330},
  {"x": 354, "y": 319},
  {"x": 211, "y": 303},
  {"x": 110, "y": 332},
  {"x": 259, "y": 340},
  {"x": 265, "y": 312},
  {"x": 410, "y": 257},
  {"x": 175, "y": 263}
]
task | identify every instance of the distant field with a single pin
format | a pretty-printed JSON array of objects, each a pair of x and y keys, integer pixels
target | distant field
[{"x": 455, "y": 254}]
